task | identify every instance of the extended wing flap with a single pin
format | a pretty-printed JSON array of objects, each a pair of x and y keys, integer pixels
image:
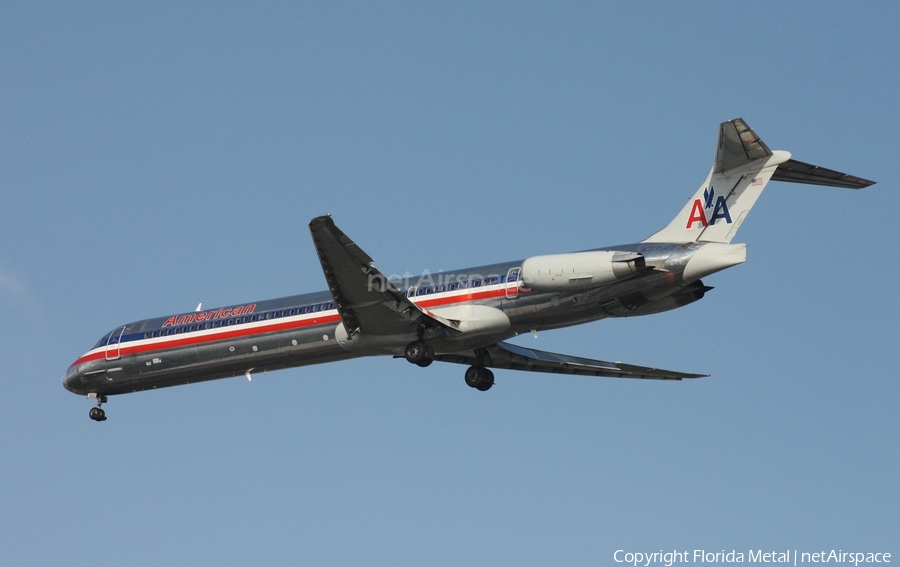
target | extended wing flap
[
  {"x": 514, "y": 357},
  {"x": 366, "y": 301}
]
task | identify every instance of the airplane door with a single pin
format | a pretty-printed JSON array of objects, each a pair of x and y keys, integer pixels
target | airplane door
[
  {"x": 512, "y": 283},
  {"x": 113, "y": 344}
]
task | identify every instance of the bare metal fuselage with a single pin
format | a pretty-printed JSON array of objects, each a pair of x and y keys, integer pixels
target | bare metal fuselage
[{"x": 304, "y": 329}]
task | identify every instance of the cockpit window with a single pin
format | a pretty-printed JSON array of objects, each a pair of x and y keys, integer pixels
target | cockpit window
[{"x": 103, "y": 340}]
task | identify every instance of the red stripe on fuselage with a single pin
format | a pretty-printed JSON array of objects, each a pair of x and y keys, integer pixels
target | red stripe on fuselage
[{"x": 210, "y": 336}]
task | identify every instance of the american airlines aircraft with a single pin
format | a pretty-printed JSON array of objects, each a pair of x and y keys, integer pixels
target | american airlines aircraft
[{"x": 464, "y": 316}]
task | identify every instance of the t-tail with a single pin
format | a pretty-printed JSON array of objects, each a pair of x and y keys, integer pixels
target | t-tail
[{"x": 741, "y": 170}]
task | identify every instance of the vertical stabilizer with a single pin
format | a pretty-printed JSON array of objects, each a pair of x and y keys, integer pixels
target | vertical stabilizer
[{"x": 742, "y": 168}]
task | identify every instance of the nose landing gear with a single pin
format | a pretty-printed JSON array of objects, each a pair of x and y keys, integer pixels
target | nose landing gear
[{"x": 97, "y": 413}]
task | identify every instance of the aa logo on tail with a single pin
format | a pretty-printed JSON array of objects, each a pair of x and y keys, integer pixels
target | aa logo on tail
[{"x": 709, "y": 202}]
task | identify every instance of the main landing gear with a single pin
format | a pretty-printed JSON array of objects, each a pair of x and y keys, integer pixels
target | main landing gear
[
  {"x": 480, "y": 378},
  {"x": 97, "y": 413},
  {"x": 421, "y": 354}
]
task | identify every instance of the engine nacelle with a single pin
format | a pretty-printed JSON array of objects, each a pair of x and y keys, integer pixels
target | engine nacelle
[{"x": 580, "y": 270}]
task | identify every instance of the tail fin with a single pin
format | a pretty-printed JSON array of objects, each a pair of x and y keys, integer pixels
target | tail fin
[{"x": 742, "y": 168}]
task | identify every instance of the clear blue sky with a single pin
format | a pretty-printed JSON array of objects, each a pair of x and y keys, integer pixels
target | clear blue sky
[{"x": 156, "y": 156}]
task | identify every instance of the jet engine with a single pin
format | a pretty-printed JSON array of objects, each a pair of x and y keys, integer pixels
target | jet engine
[{"x": 580, "y": 270}]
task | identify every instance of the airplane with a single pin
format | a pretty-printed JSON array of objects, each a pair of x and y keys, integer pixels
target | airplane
[{"x": 462, "y": 316}]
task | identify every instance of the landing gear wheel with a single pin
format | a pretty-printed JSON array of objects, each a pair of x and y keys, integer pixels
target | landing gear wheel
[
  {"x": 429, "y": 357},
  {"x": 97, "y": 413},
  {"x": 415, "y": 352},
  {"x": 480, "y": 378},
  {"x": 488, "y": 381},
  {"x": 419, "y": 353}
]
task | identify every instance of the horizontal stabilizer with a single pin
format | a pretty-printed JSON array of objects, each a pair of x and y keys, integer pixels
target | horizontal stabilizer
[
  {"x": 514, "y": 357},
  {"x": 794, "y": 171}
]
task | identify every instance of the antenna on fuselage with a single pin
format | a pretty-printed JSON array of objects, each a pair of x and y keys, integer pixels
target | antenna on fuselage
[{"x": 199, "y": 307}]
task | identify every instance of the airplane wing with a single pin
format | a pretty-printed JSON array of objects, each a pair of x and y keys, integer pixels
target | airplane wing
[
  {"x": 514, "y": 357},
  {"x": 366, "y": 301}
]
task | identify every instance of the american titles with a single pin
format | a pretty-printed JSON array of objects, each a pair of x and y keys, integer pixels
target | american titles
[{"x": 202, "y": 316}]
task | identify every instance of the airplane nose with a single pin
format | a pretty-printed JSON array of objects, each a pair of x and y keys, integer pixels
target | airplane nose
[{"x": 72, "y": 381}]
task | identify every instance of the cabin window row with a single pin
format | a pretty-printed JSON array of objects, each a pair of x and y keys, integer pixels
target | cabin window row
[
  {"x": 306, "y": 309},
  {"x": 468, "y": 284}
]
